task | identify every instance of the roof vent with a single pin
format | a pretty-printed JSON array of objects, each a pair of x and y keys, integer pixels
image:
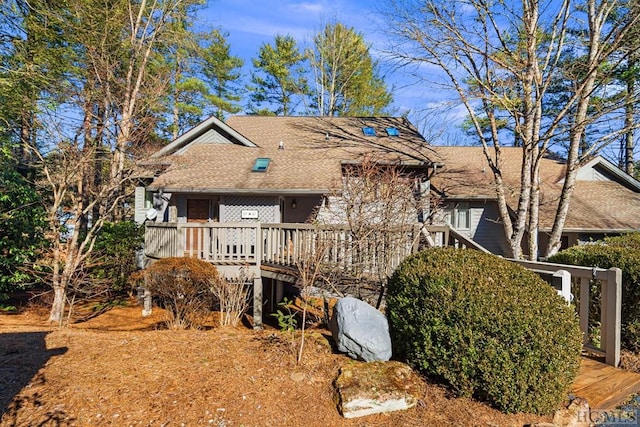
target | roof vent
[{"x": 281, "y": 146}]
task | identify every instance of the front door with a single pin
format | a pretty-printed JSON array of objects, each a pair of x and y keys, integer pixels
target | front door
[{"x": 197, "y": 211}]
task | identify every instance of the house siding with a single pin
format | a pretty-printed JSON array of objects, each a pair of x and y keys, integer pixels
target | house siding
[
  {"x": 488, "y": 230},
  {"x": 231, "y": 208},
  {"x": 304, "y": 210},
  {"x": 592, "y": 174},
  {"x": 485, "y": 226},
  {"x": 142, "y": 204}
]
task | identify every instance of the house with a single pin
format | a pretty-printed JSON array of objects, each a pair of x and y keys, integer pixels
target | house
[
  {"x": 271, "y": 169},
  {"x": 239, "y": 192},
  {"x": 605, "y": 200},
  {"x": 275, "y": 170}
]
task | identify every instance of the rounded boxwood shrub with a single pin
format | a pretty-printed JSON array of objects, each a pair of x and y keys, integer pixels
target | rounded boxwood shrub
[
  {"x": 487, "y": 327},
  {"x": 622, "y": 252},
  {"x": 183, "y": 286}
]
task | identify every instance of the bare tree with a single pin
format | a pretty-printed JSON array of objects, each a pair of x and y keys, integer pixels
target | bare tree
[
  {"x": 64, "y": 174},
  {"x": 502, "y": 60},
  {"x": 232, "y": 296},
  {"x": 312, "y": 264},
  {"x": 379, "y": 202},
  {"x": 87, "y": 134}
]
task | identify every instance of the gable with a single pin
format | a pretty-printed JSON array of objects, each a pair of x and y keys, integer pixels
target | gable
[
  {"x": 600, "y": 169},
  {"x": 210, "y": 131}
]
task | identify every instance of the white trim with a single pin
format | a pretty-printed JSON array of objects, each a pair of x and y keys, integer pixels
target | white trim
[
  {"x": 613, "y": 169},
  {"x": 189, "y": 136}
]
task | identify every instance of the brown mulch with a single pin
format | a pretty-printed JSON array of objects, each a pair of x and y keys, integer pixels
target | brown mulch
[
  {"x": 630, "y": 361},
  {"x": 120, "y": 369}
]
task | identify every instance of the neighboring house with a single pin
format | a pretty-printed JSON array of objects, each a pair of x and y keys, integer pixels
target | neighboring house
[{"x": 605, "y": 201}]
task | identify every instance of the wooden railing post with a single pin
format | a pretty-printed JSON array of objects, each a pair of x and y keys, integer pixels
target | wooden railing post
[
  {"x": 258, "y": 243},
  {"x": 561, "y": 280},
  {"x": 181, "y": 245},
  {"x": 585, "y": 290},
  {"x": 612, "y": 308}
]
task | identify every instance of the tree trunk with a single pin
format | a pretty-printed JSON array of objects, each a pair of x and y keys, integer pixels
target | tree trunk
[
  {"x": 629, "y": 123},
  {"x": 580, "y": 120},
  {"x": 59, "y": 299},
  {"x": 534, "y": 209}
]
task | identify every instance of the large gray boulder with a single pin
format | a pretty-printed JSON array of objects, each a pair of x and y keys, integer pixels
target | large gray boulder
[{"x": 360, "y": 330}]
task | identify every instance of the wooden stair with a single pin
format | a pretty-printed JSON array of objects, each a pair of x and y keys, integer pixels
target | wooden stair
[{"x": 604, "y": 386}]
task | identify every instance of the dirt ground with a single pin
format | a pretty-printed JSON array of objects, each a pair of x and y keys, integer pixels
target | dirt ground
[{"x": 121, "y": 369}]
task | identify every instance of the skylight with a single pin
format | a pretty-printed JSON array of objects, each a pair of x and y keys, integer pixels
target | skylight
[
  {"x": 369, "y": 131},
  {"x": 393, "y": 131},
  {"x": 261, "y": 164}
]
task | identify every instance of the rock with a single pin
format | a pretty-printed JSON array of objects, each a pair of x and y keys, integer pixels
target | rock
[
  {"x": 360, "y": 330},
  {"x": 577, "y": 414},
  {"x": 375, "y": 387},
  {"x": 297, "y": 377}
]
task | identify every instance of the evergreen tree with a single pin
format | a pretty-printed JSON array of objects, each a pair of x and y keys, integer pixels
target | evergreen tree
[
  {"x": 222, "y": 73},
  {"x": 347, "y": 80},
  {"x": 278, "y": 78}
]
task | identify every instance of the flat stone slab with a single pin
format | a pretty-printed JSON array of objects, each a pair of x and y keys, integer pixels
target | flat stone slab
[{"x": 366, "y": 388}]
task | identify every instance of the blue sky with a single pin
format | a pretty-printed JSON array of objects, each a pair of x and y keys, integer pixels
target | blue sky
[{"x": 250, "y": 23}]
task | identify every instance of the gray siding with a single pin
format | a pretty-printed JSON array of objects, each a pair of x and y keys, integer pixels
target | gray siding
[
  {"x": 487, "y": 227},
  {"x": 592, "y": 174},
  {"x": 231, "y": 208}
]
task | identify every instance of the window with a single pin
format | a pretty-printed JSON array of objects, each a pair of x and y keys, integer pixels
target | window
[
  {"x": 459, "y": 216},
  {"x": 393, "y": 131},
  {"x": 368, "y": 131},
  {"x": 463, "y": 220},
  {"x": 261, "y": 164}
]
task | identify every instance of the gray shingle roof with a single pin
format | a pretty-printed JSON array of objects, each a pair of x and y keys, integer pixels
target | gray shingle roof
[
  {"x": 314, "y": 149},
  {"x": 595, "y": 205}
]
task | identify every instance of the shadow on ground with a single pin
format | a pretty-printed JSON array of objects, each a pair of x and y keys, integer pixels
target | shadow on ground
[{"x": 22, "y": 356}]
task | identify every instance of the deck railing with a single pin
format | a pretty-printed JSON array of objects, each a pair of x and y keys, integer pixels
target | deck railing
[
  {"x": 220, "y": 243},
  {"x": 366, "y": 250},
  {"x": 443, "y": 235},
  {"x": 371, "y": 252},
  {"x": 581, "y": 279}
]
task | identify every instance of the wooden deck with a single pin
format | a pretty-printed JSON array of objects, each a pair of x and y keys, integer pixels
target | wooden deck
[
  {"x": 236, "y": 246},
  {"x": 604, "y": 386}
]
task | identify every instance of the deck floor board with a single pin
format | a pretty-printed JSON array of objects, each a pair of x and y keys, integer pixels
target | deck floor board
[{"x": 604, "y": 386}]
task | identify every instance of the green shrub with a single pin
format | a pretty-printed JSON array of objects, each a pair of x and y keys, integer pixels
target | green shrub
[
  {"x": 183, "y": 286},
  {"x": 629, "y": 240},
  {"x": 622, "y": 252},
  {"x": 114, "y": 256},
  {"x": 23, "y": 221},
  {"x": 487, "y": 327}
]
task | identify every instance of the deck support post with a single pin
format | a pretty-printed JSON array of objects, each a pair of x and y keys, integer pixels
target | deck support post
[{"x": 257, "y": 302}]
